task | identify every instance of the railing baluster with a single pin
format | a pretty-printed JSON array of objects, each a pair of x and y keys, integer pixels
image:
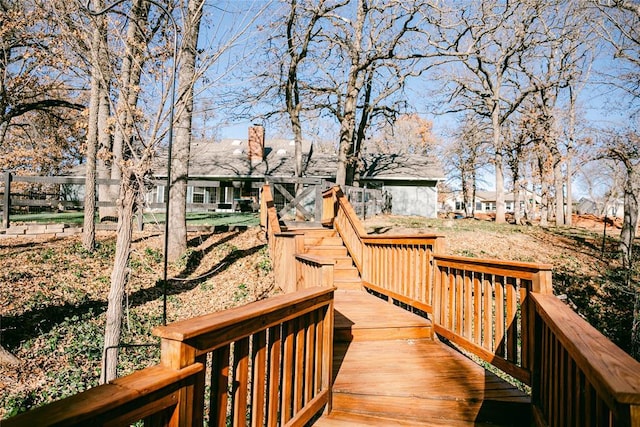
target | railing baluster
[
  {"x": 274, "y": 357},
  {"x": 498, "y": 340},
  {"x": 219, "y": 385},
  {"x": 477, "y": 309},
  {"x": 240, "y": 382},
  {"x": 511, "y": 324},
  {"x": 287, "y": 370},
  {"x": 259, "y": 378},
  {"x": 487, "y": 318},
  {"x": 298, "y": 389}
]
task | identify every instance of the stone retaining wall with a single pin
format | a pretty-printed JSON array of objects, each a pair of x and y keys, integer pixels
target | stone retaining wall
[
  {"x": 39, "y": 230},
  {"x": 51, "y": 231}
]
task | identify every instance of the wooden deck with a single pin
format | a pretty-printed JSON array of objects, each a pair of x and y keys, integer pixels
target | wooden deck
[{"x": 388, "y": 370}]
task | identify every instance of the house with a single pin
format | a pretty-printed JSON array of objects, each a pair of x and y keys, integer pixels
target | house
[
  {"x": 230, "y": 172},
  {"x": 611, "y": 208},
  {"x": 485, "y": 202}
]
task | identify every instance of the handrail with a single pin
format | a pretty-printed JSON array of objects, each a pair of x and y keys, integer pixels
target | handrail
[
  {"x": 314, "y": 271},
  {"x": 374, "y": 255},
  {"x": 271, "y": 364},
  {"x": 275, "y": 353},
  {"x": 268, "y": 212},
  {"x": 152, "y": 394},
  {"x": 582, "y": 377},
  {"x": 484, "y": 306}
]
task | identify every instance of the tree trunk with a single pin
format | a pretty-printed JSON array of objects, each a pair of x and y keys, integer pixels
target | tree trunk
[
  {"x": 182, "y": 143},
  {"x": 346, "y": 136},
  {"x": 130, "y": 74},
  {"x": 129, "y": 192},
  {"x": 474, "y": 188},
  {"x": 544, "y": 203},
  {"x": 517, "y": 202},
  {"x": 635, "y": 326},
  {"x": 628, "y": 232},
  {"x": 559, "y": 190},
  {"x": 499, "y": 168},
  {"x": 89, "y": 228},
  {"x": 346, "y": 166},
  {"x": 568, "y": 220}
]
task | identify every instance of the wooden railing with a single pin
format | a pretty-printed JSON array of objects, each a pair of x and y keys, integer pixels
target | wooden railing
[
  {"x": 293, "y": 270},
  {"x": 313, "y": 271},
  {"x": 580, "y": 378},
  {"x": 152, "y": 395},
  {"x": 485, "y": 307},
  {"x": 504, "y": 313},
  {"x": 397, "y": 266},
  {"x": 269, "y": 363}
]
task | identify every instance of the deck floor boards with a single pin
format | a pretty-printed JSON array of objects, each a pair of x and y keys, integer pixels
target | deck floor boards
[{"x": 401, "y": 380}]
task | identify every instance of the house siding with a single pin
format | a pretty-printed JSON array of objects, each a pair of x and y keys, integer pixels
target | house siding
[{"x": 412, "y": 198}]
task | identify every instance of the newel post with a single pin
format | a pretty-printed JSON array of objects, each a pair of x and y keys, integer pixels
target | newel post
[
  {"x": 329, "y": 206},
  {"x": 190, "y": 409},
  {"x": 540, "y": 284}
]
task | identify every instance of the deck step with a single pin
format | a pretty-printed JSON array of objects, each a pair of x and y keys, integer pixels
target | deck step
[
  {"x": 316, "y": 232},
  {"x": 348, "y": 284},
  {"x": 327, "y": 250},
  {"x": 343, "y": 261},
  {"x": 346, "y": 272},
  {"x": 433, "y": 411},
  {"x": 360, "y": 316},
  {"x": 322, "y": 240},
  {"x": 349, "y": 419}
]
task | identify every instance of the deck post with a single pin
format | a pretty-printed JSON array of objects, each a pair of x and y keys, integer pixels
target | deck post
[
  {"x": 190, "y": 408},
  {"x": 542, "y": 282}
]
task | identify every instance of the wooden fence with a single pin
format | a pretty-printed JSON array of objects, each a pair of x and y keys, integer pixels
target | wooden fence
[{"x": 306, "y": 206}]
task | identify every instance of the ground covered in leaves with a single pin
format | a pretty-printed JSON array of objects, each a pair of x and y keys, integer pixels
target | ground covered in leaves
[
  {"x": 53, "y": 299},
  {"x": 53, "y": 294}
]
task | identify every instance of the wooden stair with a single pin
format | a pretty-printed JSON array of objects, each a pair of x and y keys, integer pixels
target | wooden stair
[
  {"x": 326, "y": 243},
  {"x": 389, "y": 369}
]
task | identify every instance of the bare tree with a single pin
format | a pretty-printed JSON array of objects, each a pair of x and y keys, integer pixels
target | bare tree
[
  {"x": 624, "y": 150},
  {"x": 621, "y": 29},
  {"x": 562, "y": 64},
  {"x": 301, "y": 29},
  {"x": 126, "y": 110},
  {"x": 378, "y": 46},
  {"x": 468, "y": 154},
  {"x": 195, "y": 65},
  {"x": 491, "y": 44},
  {"x": 97, "y": 124},
  {"x": 182, "y": 144}
]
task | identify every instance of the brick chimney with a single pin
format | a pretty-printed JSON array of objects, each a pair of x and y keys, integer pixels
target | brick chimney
[{"x": 256, "y": 144}]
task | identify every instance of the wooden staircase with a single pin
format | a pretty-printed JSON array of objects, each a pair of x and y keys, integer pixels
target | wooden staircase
[
  {"x": 390, "y": 369},
  {"x": 326, "y": 243}
]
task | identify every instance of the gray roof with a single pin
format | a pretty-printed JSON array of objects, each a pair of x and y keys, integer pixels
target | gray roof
[{"x": 228, "y": 159}]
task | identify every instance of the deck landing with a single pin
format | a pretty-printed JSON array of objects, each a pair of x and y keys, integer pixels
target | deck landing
[{"x": 406, "y": 378}]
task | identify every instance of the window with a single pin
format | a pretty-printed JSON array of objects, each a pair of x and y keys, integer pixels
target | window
[
  {"x": 459, "y": 206},
  {"x": 198, "y": 194}
]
